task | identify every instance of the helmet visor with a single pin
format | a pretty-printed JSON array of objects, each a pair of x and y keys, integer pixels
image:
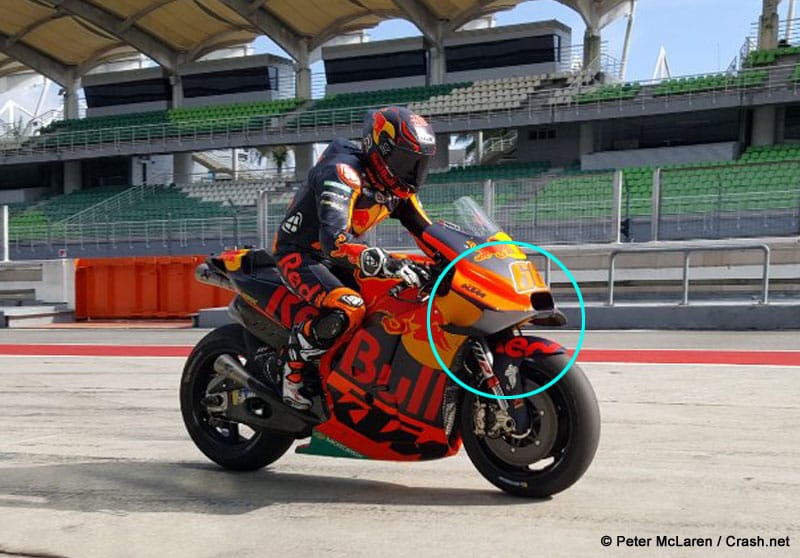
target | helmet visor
[{"x": 409, "y": 167}]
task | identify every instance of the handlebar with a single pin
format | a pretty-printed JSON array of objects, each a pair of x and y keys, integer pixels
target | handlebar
[
  {"x": 423, "y": 294},
  {"x": 397, "y": 289}
]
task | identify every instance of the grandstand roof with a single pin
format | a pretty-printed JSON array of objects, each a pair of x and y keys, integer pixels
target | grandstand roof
[{"x": 64, "y": 39}]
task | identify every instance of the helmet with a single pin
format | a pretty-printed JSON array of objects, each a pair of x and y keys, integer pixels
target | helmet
[{"x": 399, "y": 146}]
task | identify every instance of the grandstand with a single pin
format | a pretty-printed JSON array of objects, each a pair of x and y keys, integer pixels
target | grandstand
[
  {"x": 139, "y": 125},
  {"x": 156, "y": 133},
  {"x": 556, "y": 121}
]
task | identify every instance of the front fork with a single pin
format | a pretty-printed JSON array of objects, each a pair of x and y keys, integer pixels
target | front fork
[{"x": 497, "y": 416}]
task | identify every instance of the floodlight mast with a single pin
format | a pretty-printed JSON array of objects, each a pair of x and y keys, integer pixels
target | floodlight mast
[{"x": 627, "y": 45}]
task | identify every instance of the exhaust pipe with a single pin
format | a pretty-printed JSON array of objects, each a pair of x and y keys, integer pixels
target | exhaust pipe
[
  {"x": 282, "y": 417},
  {"x": 227, "y": 366},
  {"x": 206, "y": 275}
]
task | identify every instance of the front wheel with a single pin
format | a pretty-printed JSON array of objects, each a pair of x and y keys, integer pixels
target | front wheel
[
  {"x": 229, "y": 444},
  {"x": 560, "y": 444}
]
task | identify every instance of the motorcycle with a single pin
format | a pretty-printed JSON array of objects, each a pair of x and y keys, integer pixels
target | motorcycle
[{"x": 381, "y": 392}]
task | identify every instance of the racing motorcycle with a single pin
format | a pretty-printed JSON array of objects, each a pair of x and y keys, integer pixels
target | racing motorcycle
[{"x": 381, "y": 392}]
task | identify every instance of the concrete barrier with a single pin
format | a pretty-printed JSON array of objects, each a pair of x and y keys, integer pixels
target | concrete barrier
[{"x": 725, "y": 316}]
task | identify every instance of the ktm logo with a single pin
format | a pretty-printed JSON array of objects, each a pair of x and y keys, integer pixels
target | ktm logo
[
  {"x": 474, "y": 290},
  {"x": 292, "y": 224}
]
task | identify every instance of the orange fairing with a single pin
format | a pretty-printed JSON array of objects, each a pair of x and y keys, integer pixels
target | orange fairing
[
  {"x": 458, "y": 310},
  {"x": 510, "y": 291},
  {"x": 430, "y": 245}
]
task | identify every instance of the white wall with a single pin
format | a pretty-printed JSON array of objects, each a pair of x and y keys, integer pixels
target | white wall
[
  {"x": 56, "y": 285},
  {"x": 159, "y": 169},
  {"x": 23, "y": 195},
  {"x": 561, "y": 150}
]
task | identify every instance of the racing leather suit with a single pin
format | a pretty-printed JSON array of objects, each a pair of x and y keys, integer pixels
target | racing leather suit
[{"x": 318, "y": 246}]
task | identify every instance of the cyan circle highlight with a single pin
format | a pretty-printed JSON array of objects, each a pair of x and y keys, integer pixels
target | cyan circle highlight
[{"x": 546, "y": 254}]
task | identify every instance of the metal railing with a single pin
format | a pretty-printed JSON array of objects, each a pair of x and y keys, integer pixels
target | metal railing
[
  {"x": 788, "y": 32},
  {"x": 287, "y": 174},
  {"x": 687, "y": 252},
  {"x": 325, "y": 123},
  {"x": 499, "y": 144},
  {"x": 180, "y": 231},
  {"x": 101, "y": 210}
]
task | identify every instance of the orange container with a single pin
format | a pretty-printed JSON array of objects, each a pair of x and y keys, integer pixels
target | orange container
[{"x": 142, "y": 287}]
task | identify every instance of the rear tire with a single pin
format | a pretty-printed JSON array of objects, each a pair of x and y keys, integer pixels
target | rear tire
[
  {"x": 224, "y": 444},
  {"x": 567, "y": 432}
]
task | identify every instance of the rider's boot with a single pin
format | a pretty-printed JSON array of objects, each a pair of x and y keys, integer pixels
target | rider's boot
[{"x": 292, "y": 367}]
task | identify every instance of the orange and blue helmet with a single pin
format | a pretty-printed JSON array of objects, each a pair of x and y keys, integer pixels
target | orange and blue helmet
[{"x": 399, "y": 146}]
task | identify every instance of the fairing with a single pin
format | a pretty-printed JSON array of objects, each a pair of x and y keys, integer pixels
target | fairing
[{"x": 386, "y": 394}]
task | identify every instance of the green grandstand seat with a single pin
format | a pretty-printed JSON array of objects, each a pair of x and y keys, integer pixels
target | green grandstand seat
[{"x": 205, "y": 119}]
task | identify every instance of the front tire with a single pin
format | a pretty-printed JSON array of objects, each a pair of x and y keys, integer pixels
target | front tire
[
  {"x": 223, "y": 442},
  {"x": 561, "y": 445}
]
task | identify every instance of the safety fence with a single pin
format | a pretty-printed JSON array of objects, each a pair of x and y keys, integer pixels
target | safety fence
[
  {"x": 545, "y": 209},
  {"x": 701, "y": 202},
  {"x": 176, "y": 233},
  {"x": 760, "y": 199}
]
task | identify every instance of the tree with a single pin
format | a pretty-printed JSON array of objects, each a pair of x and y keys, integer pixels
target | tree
[{"x": 279, "y": 156}]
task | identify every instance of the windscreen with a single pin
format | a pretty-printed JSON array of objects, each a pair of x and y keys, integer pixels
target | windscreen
[{"x": 473, "y": 219}]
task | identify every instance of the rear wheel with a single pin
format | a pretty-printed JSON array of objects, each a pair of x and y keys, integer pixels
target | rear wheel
[
  {"x": 560, "y": 445},
  {"x": 229, "y": 444}
]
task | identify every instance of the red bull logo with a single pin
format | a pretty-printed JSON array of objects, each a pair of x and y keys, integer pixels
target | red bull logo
[
  {"x": 501, "y": 252},
  {"x": 415, "y": 338},
  {"x": 233, "y": 259}
]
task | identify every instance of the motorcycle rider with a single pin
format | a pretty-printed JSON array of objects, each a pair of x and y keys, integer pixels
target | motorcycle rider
[{"x": 350, "y": 190}]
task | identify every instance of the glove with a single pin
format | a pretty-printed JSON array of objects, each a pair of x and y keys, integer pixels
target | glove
[{"x": 376, "y": 261}]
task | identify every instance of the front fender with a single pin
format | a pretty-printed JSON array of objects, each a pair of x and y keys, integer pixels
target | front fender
[{"x": 520, "y": 347}]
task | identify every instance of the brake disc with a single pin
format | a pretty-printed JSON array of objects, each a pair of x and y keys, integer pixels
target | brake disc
[{"x": 541, "y": 439}]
